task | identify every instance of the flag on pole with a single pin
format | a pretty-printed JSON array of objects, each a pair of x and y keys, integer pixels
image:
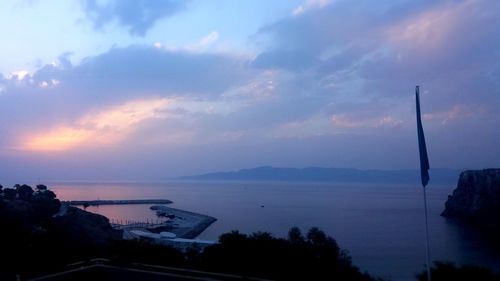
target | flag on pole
[{"x": 424, "y": 160}]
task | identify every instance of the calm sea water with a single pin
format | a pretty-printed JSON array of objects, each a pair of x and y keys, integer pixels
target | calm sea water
[{"x": 382, "y": 226}]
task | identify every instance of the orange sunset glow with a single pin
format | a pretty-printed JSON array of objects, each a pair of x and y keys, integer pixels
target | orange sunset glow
[{"x": 105, "y": 127}]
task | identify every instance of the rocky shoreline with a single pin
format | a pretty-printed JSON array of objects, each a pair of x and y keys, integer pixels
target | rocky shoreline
[{"x": 476, "y": 198}]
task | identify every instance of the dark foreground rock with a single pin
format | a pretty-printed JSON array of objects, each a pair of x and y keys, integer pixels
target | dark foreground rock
[
  {"x": 77, "y": 227},
  {"x": 39, "y": 234},
  {"x": 476, "y": 198}
]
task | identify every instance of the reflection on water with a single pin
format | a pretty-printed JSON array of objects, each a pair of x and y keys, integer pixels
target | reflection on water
[
  {"x": 381, "y": 226},
  {"x": 125, "y": 212}
]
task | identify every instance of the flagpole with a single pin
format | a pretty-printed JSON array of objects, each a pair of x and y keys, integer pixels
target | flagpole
[
  {"x": 424, "y": 173},
  {"x": 427, "y": 237}
]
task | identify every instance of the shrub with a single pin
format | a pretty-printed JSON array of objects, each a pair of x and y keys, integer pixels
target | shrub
[{"x": 443, "y": 271}]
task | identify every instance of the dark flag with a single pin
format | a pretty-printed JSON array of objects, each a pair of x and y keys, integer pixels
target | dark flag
[{"x": 424, "y": 160}]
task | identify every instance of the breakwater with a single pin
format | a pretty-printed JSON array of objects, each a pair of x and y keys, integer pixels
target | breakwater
[
  {"x": 184, "y": 224},
  {"x": 117, "y": 202}
]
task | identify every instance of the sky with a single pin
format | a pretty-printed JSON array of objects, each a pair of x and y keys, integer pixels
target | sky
[{"x": 149, "y": 90}]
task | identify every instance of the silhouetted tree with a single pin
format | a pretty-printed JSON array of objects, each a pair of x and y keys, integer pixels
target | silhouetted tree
[
  {"x": 233, "y": 237},
  {"x": 193, "y": 252},
  {"x": 45, "y": 204},
  {"x": 295, "y": 236},
  {"x": 48, "y": 194},
  {"x": 126, "y": 251},
  {"x": 261, "y": 236},
  {"x": 9, "y": 193},
  {"x": 443, "y": 271},
  {"x": 41, "y": 187},
  {"x": 324, "y": 247},
  {"x": 262, "y": 255},
  {"x": 25, "y": 192},
  {"x": 316, "y": 236}
]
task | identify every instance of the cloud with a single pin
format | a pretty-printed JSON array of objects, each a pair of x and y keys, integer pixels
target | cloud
[
  {"x": 361, "y": 61},
  {"x": 295, "y": 60},
  {"x": 62, "y": 107},
  {"x": 143, "y": 70},
  {"x": 353, "y": 121},
  {"x": 310, "y": 4},
  {"x": 334, "y": 86},
  {"x": 201, "y": 46},
  {"x": 455, "y": 113},
  {"x": 384, "y": 50},
  {"x": 136, "y": 15},
  {"x": 18, "y": 75},
  {"x": 209, "y": 39},
  {"x": 106, "y": 127}
]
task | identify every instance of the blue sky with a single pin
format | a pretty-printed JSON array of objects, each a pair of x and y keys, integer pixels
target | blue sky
[{"x": 144, "y": 90}]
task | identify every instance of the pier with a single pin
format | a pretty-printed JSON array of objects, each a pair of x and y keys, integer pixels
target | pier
[
  {"x": 183, "y": 224},
  {"x": 135, "y": 224},
  {"x": 117, "y": 202}
]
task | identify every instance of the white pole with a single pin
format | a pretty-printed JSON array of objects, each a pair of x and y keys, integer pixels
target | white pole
[{"x": 427, "y": 237}]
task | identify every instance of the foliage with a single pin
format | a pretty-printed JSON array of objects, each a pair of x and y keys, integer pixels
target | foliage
[
  {"x": 295, "y": 236},
  {"x": 45, "y": 204},
  {"x": 24, "y": 192},
  {"x": 443, "y": 271},
  {"x": 41, "y": 187},
  {"x": 260, "y": 254},
  {"x": 25, "y": 217},
  {"x": 9, "y": 193},
  {"x": 142, "y": 251}
]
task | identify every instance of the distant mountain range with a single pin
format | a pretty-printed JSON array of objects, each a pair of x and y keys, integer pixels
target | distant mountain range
[{"x": 318, "y": 174}]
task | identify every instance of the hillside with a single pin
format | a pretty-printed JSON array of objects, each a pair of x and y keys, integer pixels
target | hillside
[{"x": 319, "y": 174}]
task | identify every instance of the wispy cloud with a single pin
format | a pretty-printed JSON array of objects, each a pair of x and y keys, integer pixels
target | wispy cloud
[
  {"x": 455, "y": 113},
  {"x": 352, "y": 121},
  {"x": 310, "y": 4},
  {"x": 432, "y": 28},
  {"x": 200, "y": 46},
  {"x": 105, "y": 127},
  {"x": 18, "y": 75},
  {"x": 136, "y": 15}
]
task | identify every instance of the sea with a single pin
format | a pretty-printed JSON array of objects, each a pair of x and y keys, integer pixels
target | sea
[{"x": 382, "y": 226}]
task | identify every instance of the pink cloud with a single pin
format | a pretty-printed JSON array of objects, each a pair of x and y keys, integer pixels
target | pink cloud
[
  {"x": 456, "y": 112},
  {"x": 357, "y": 121},
  {"x": 105, "y": 127}
]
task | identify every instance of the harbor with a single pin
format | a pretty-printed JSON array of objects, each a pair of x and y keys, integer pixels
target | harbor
[
  {"x": 174, "y": 227},
  {"x": 177, "y": 228}
]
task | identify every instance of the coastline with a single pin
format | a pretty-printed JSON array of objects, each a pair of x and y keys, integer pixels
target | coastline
[{"x": 357, "y": 216}]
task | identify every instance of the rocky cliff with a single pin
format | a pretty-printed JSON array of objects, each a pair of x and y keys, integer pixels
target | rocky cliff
[
  {"x": 28, "y": 217},
  {"x": 476, "y": 198},
  {"x": 79, "y": 228}
]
